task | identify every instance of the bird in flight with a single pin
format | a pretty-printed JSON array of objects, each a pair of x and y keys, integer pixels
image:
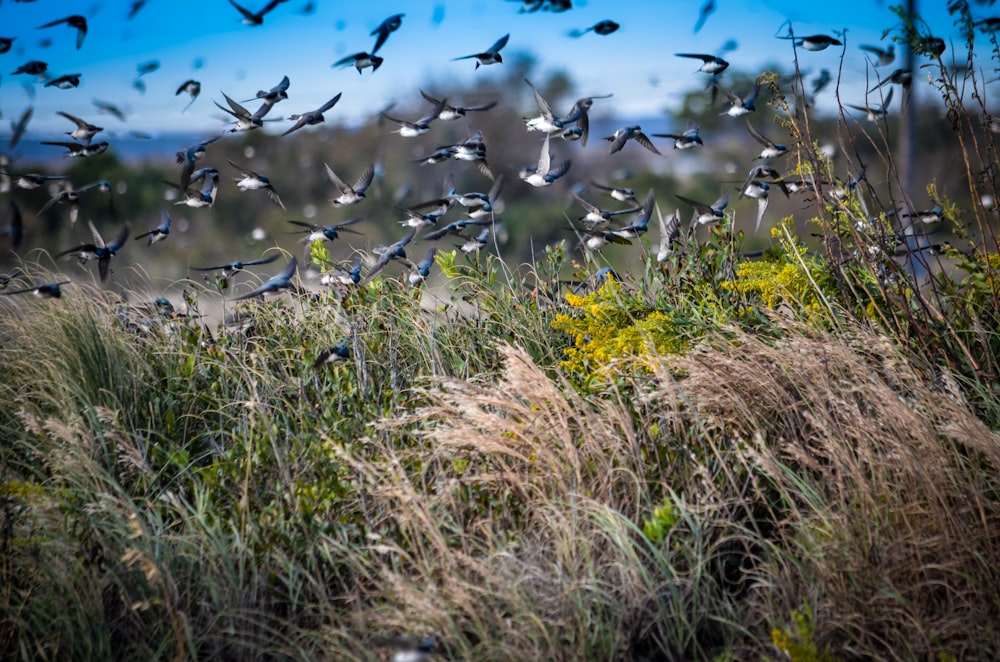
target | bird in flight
[{"x": 490, "y": 55}]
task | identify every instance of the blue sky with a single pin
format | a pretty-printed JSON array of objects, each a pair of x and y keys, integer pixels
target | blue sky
[{"x": 637, "y": 63}]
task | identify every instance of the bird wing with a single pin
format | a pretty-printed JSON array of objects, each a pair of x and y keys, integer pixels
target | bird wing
[
  {"x": 365, "y": 180},
  {"x": 500, "y": 43},
  {"x": 329, "y": 104}
]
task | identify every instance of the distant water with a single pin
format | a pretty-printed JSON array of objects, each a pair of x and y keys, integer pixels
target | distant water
[{"x": 129, "y": 149}]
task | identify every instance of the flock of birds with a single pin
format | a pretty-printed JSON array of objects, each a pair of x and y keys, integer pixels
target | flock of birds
[{"x": 197, "y": 185}]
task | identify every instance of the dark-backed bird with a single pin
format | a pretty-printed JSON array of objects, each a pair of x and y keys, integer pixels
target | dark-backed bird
[
  {"x": 450, "y": 112},
  {"x": 634, "y": 132},
  {"x": 361, "y": 61},
  {"x": 772, "y": 150},
  {"x": 873, "y": 111},
  {"x": 45, "y": 290},
  {"x": 883, "y": 56},
  {"x": 190, "y": 87},
  {"x": 84, "y": 131},
  {"x": 312, "y": 117},
  {"x": 253, "y": 181},
  {"x": 245, "y": 120},
  {"x": 384, "y": 29},
  {"x": 159, "y": 233},
  {"x": 98, "y": 250},
  {"x": 255, "y": 18},
  {"x": 604, "y": 27},
  {"x": 707, "y": 213},
  {"x": 490, "y": 55},
  {"x": 79, "y": 23},
  {"x": 710, "y": 64},
  {"x": 741, "y": 105},
  {"x": 317, "y": 232},
  {"x": 275, "y": 284},
  {"x": 418, "y": 127},
  {"x": 349, "y": 195},
  {"x": 543, "y": 174},
  {"x": 690, "y": 138},
  {"x": 65, "y": 82}
]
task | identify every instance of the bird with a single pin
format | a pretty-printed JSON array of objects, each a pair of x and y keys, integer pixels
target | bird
[
  {"x": 78, "y": 151},
  {"x": 159, "y": 233},
  {"x": 490, "y": 55},
  {"x": 883, "y": 56},
  {"x": 275, "y": 284},
  {"x": 480, "y": 206},
  {"x": 758, "y": 190},
  {"x": 740, "y": 105},
  {"x": 690, "y": 138},
  {"x": 707, "y": 213},
  {"x": 255, "y": 18},
  {"x": 670, "y": 236},
  {"x": 98, "y": 250},
  {"x": 245, "y": 121},
  {"x": 31, "y": 68},
  {"x": 455, "y": 227},
  {"x": 388, "y": 253},
  {"x": 332, "y": 354},
  {"x": 84, "y": 131},
  {"x": 902, "y": 77},
  {"x": 7, "y": 279},
  {"x": 710, "y": 64},
  {"x": 45, "y": 290},
  {"x": 31, "y": 180},
  {"x": 200, "y": 198},
  {"x": 475, "y": 244},
  {"x": 18, "y": 128},
  {"x": 312, "y": 117},
  {"x": 706, "y": 10},
  {"x": 874, "y": 112},
  {"x": 339, "y": 275},
  {"x": 579, "y": 114},
  {"x": 543, "y": 174},
  {"x": 596, "y": 216},
  {"x": 817, "y": 42},
  {"x": 423, "y": 268},
  {"x": 634, "y": 132},
  {"x": 66, "y": 82},
  {"x": 15, "y": 225},
  {"x": 277, "y": 93},
  {"x": 821, "y": 81},
  {"x": 253, "y": 181},
  {"x": 189, "y": 156},
  {"x": 406, "y": 649},
  {"x": 599, "y": 238},
  {"x": 316, "y": 232},
  {"x": 384, "y": 29},
  {"x": 771, "y": 149},
  {"x": 79, "y": 23},
  {"x": 6, "y": 43},
  {"x": 71, "y": 197},
  {"x": 618, "y": 193},
  {"x": 449, "y": 112},
  {"x": 639, "y": 226},
  {"x": 109, "y": 108},
  {"x": 420, "y": 126},
  {"x": 546, "y": 121},
  {"x": 191, "y": 87},
  {"x": 231, "y": 268},
  {"x": 604, "y": 27},
  {"x": 349, "y": 195},
  {"x": 360, "y": 61}
]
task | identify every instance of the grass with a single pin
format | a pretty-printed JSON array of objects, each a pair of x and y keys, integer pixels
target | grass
[{"x": 794, "y": 457}]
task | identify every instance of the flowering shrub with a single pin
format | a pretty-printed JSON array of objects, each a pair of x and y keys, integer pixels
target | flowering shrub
[{"x": 608, "y": 324}]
